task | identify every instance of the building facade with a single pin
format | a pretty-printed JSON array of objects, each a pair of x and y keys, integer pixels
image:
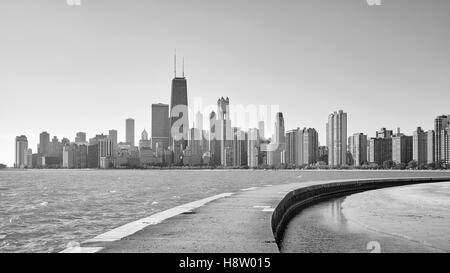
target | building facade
[
  {"x": 357, "y": 147},
  {"x": 402, "y": 148},
  {"x": 337, "y": 138},
  {"x": 21, "y": 149},
  {"x": 129, "y": 131},
  {"x": 160, "y": 126},
  {"x": 420, "y": 146}
]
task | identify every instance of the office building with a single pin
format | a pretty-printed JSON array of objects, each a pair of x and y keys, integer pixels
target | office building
[
  {"x": 179, "y": 118},
  {"x": 129, "y": 131},
  {"x": 160, "y": 126},
  {"x": 276, "y": 148},
  {"x": 44, "y": 143}
]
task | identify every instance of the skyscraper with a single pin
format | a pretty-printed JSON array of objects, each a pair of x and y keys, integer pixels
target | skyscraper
[
  {"x": 112, "y": 134},
  {"x": 144, "y": 143},
  {"x": 28, "y": 158},
  {"x": 80, "y": 137},
  {"x": 129, "y": 131},
  {"x": 420, "y": 146},
  {"x": 445, "y": 145},
  {"x": 261, "y": 129},
  {"x": 214, "y": 141},
  {"x": 402, "y": 148},
  {"x": 440, "y": 124},
  {"x": 199, "y": 121},
  {"x": 379, "y": 149},
  {"x": 253, "y": 148},
  {"x": 291, "y": 147},
  {"x": 21, "y": 149},
  {"x": 302, "y": 147},
  {"x": 276, "y": 152},
  {"x": 224, "y": 132},
  {"x": 179, "y": 119},
  {"x": 337, "y": 138},
  {"x": 44, "y": 141},
  {"x": 384, "y": 133},
  {"x": 160, "y": 126},
  {"x": 240, "y": 151},
  {"x": 357, "y": 146},
  {"x": 430, "y": 147}
]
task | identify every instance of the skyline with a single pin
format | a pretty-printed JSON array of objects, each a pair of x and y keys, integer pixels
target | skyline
[{"x": 111, "y": 79}]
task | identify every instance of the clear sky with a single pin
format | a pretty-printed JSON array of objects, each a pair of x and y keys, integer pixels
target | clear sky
[{"x": 65, "y": 69}]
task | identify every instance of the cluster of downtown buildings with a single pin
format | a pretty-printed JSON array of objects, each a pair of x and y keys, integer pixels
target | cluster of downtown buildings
[{"x": 173, "y": 143}]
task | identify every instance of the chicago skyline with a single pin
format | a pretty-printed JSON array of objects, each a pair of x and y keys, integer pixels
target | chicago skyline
[
  {"x": 311, "y": 58},
  {"x": 228, "y": 146}
]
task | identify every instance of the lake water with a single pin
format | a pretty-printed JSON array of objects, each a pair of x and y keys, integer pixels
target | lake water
[
  {"x": 45, "y": 210},
  {"x": 413, "y": 218}
]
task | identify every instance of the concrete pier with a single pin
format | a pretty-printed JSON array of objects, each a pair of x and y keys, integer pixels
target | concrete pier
[{"x": 251, "y": 220}]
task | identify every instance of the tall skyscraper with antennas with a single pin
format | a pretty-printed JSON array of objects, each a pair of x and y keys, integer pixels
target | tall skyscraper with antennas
[{"x": 179, "y": 119}]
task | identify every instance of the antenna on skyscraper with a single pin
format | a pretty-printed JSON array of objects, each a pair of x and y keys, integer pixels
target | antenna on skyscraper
[
  {"x": 175, "y": 63},
  {"x": 183, "y": 67}
]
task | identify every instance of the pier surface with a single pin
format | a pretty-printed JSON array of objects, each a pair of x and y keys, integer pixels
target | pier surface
[{"x": 238, "y": 222}]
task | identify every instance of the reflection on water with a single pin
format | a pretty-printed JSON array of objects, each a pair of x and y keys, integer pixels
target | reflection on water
[{"x": 402, "y": 219}]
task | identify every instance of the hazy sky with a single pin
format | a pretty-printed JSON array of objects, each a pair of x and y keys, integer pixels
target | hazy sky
[{"x": 65, "y": 69}]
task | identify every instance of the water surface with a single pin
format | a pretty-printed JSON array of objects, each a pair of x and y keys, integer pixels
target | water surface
[{"x": 413, "y": 218}]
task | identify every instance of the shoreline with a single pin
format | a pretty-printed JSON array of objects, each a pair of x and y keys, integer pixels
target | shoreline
[{"x": 232, "y": 169}]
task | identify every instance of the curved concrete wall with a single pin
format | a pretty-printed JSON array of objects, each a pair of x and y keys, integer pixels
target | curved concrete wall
[{"x": 301, "y": 198}]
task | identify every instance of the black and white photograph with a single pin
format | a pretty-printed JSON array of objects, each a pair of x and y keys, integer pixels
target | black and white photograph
[{"x": 248, "y": 130}]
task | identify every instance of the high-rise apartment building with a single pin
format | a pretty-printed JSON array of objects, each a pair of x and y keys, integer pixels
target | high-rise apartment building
[
  {"x": 302, "y": 147},
  {"x": 357, "y": 147},
  {"x": 337, "y": 138},
  {"x": 420, "y": 146},
  {"x": 21, "y": 149},
  {"x": 440, "y": 125},
  {"x": 402, "y": 148},
  {"x": 80, "y": 137},
  {"x": 253, "y": 148},
  {"x": 430, "y": 147}
]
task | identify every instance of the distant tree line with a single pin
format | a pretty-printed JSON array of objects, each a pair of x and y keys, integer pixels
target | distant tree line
[{"x": 387, "y": 165}]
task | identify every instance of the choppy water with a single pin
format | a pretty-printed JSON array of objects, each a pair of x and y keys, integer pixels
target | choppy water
[
  {"x": 413, "y": 218},
  {"x": 45, "y": 210}
]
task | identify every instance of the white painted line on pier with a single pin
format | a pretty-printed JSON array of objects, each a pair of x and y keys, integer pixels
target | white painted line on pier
[
  {"x": 250, "y": 189},
  {"x": 80, "y": 249},
  {"x": 261, "y": 207},
  {"x": 133, "y": 227}
]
